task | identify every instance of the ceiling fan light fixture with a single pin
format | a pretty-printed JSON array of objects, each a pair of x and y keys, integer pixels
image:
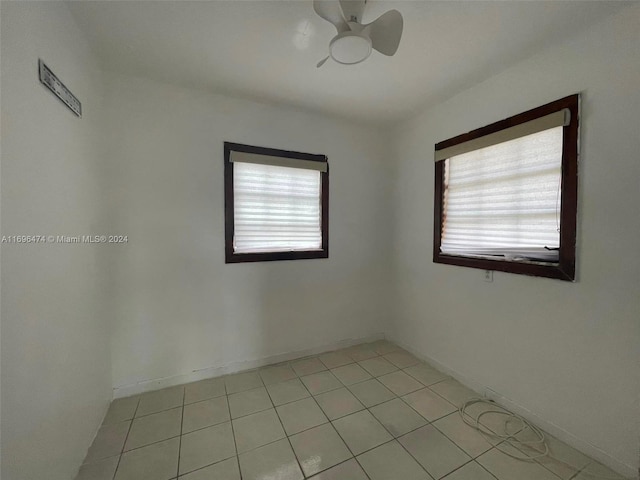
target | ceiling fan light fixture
[{"x": 350, "y": 48}]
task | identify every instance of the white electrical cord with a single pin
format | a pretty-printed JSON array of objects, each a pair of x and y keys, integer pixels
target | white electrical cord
[{"x": 520, "y": 446}]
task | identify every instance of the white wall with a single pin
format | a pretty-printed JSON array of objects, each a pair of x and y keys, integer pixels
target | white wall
[
  {"x": 56, "y": 381},
  {"x": 569, "y": 353},
  {"x": 181, "y": 312}
]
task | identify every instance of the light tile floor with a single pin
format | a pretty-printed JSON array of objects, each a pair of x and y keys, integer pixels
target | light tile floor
[{"x": 371, "y": 411}]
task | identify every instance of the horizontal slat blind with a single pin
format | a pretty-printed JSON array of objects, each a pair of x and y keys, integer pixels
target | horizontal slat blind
[
  {"x": 276, "y": 209},
  {"x": 561, "y": 118},
  {"x": 261, "y": 159},
  {"x": 505, "y": 199}
]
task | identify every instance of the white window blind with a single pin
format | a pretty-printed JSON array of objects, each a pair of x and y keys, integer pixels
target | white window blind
[
  {"x": 504, "y": 199},
  {"x": 276, "y": 208}
]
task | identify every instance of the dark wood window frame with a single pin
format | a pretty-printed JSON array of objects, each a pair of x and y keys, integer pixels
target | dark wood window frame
[
  {"x": 233, "y": 257},
  {"x": 564, "y": 269}
]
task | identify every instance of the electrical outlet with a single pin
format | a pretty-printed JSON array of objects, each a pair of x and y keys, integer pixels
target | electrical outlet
[{"x": 488, "y": 275}]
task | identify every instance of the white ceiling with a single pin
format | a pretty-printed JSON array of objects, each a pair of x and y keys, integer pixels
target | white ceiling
[{"x": 268, "y": 50}]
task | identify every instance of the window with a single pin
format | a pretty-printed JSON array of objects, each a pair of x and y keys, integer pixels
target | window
[
  {"x": 506, "y": 194},
  {"x": 276, "y": 204}
]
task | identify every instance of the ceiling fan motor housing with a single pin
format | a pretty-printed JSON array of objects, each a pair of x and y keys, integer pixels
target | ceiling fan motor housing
[
  {"x": 355, "y": 41},
  {"x": 350, "y": 47}
]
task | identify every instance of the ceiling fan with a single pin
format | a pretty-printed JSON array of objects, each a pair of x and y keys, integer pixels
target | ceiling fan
[{"x": 355, "y": 41}]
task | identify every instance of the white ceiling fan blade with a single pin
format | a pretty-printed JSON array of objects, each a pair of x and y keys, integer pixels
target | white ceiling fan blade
[
  {"x": 353, "y": 9},
  {"x": 385, "y": 32},
  {"x": 321, "y": 62},
  {"x": 331, "y": 11}
]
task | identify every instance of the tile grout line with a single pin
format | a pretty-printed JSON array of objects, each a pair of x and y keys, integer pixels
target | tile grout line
[
  {"x": 471, "y": 460},
  {"x": 220, "y": 423},
  {"x": 336, "y": 430},
  {"x": 329, "y": 421},
  {"x": 576, "y": 470},
  {"x": 429, "y": 421},
  {"x": 467, "y": 463},
  {"x": 373, "y": 448},
  {"x": 393, "y": 437},
  {"x": 370, "y": 406},
  {"x": 415, "y": 459},
  {"x": 233, "y": 433},
  {"x": 495, "y": 447},
  {"x": 184, "y": 394},
  {"x": 473, "y": 457},
  {"x": 206, "y": 466},
  {"x": 153, "y": 443},
  {"x": 367, "y": 409},
  {"x": 127, "y": 437},
  {"x": 301, "y": 431},
  {"x": 340, "y": 463},
  {"x": 575, "y": 475},
  {"x": 484, "y": 468},
  {"x": 406, "y": 433},
  {"x": 286, "y": 435},
  {"x": 346, "y": 414}
]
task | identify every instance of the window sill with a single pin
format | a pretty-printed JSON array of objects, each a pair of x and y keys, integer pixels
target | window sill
[
  {"x": 232, "y": 257},
  {"x": 559, "y": 270}
]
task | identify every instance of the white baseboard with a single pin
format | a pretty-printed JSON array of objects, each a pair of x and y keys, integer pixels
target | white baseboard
[
  {"x": 560, "y": 433},
  {"x": 233, "y": 367}
]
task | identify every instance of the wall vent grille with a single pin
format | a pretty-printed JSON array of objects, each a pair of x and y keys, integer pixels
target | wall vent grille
[{"x": 49, "y": 80}]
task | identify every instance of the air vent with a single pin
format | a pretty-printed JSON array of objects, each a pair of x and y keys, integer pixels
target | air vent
[{"x": 48, "y": 79}]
